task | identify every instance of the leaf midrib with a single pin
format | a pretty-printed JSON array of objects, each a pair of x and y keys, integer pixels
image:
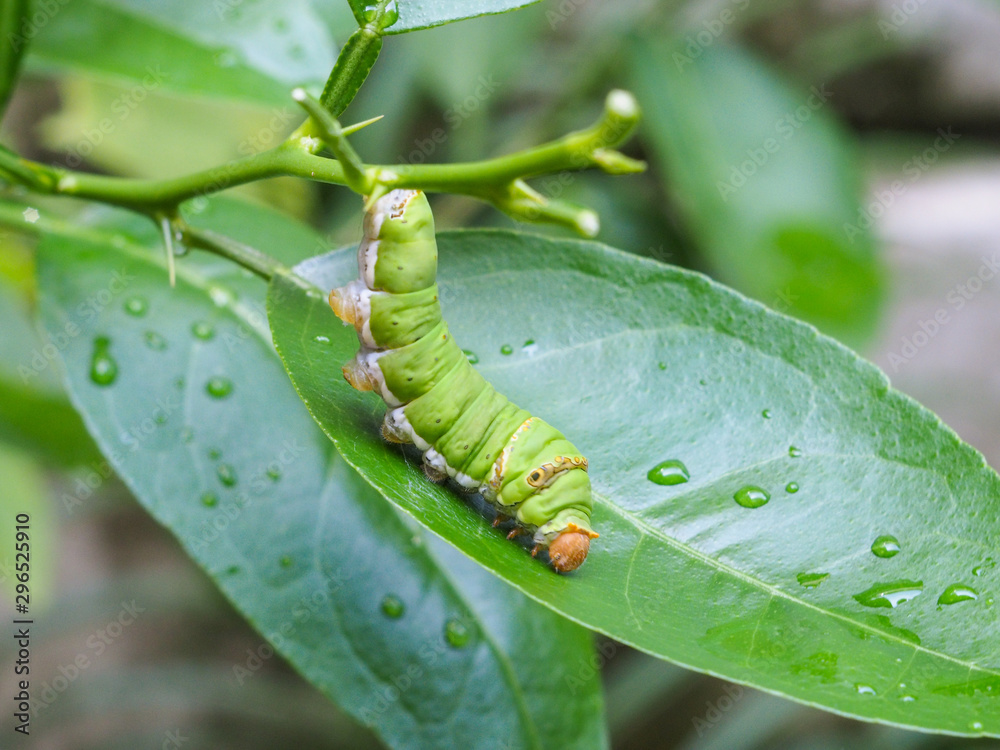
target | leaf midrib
[{"x": 771, "y": 589}]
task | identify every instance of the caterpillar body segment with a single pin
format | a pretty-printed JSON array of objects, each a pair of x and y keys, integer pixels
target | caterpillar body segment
[{"x": 466, "y": 430}]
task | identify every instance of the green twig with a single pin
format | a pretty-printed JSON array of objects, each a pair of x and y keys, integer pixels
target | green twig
[
  {"x": 499, "y": 181},
  {"x": 250, "y": 258}
]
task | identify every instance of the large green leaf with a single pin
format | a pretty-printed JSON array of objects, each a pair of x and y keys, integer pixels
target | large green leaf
[
  {"x": 422, "y": 14},
  {"x": 227, "y": 48},
  {"x": 641, "y": 363},
  {"x": 34, "y": 410},
  {"x": 202, "y": 424},
  {"x": 766, "y": 180},
  {"x": 13, "y": 18}
]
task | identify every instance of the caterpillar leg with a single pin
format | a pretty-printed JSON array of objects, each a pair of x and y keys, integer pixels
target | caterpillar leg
[
  {"x": 357, "y": 374},
  {"x": 391, "y": 431},
  {"x": 435, "y": 467},
  {"x": 433, "y": 474},
  {"x": 350, "y": 303}
]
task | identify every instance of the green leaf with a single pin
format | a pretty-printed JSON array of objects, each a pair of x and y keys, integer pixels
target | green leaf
[
  {"x": 13, "y": 18},
  {"x": 34, "y": 410},
  {"x": 228, "y": 49},
  {"x": 641, "y": 363},
  {"x": 423, "y": 14},
  {"x": 766, "y": 180},
  {"x": 201, "y": 422}
]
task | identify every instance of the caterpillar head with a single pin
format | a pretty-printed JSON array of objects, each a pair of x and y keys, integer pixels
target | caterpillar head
[{"x": 568, "y": 550}]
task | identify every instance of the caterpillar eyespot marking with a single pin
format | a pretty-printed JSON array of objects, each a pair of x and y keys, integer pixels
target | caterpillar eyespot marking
[{"x": 439, "y": 402}]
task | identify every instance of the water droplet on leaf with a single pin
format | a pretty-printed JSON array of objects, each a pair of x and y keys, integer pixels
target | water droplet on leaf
[
  {"x": 471, "y": 356},
  {"x": 136, "y": 306},
  {"x": 794, "y": 452},
  {"x": 751, "y": 497},
  {"x": 220, "y": 297},
  {"x": 456, "y": 633},
  {"x": 219, "y": 387},
  {"x": 103, "y": 368},
  {"x": 202, "y": 330},
  {"x": 393, "y": 606},
  {"x": 865, "y": 689},
  {"x": 669, "y": 472},
  {"x": 209, "y": 500},
  {"x": 322, "y": 339},
  {"x": 226, "y": 474},
  {"x": 890, "y": 595},
  {"x": 811, "y": 580},
  {"x": 791, "y": 488},
  {"x": 956, "y": 593},
  {"x": 885, "y": 546},
  {"x": 506, "y": 349},
  {"x": 766, "y": 413},
  {"x": 155, "y": 341},
  {"x": 285, "y": 561}
]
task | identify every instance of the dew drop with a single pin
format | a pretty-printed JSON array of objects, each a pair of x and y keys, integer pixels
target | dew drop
[
  {"x": 203, "y": 330},
  {"x": 273, "y": 473},
  {"x": 136, "y": 306},
  {"x": 160, "y": 418},
  {"x": 751, "y": 497},
  {"x": 980, "y": 570},
  {"x": 766, "y": 413},
  {"x": 393, "y": 606},
  {"x": 506, "y": 349},
  {"x": 214, "y": 453},
  {"x": 976, "y": 726},
  {"x": 794, "y": 452},
  {"x": 791, "y": 488},
  {"x": 907, "y": 698},
  {"x": 285, "y": 561},
  {"x": 322, "y": 339},
  {"x": 669, "y": 472},
  {"x": 956, "y": 593},
  {"x": 226, "y": 474},
  {"x": 220, "y": 297},
  {"x": 456, "y": 633},
  {"x": 885, "y": 546},
  {"x": 233, "y": 570},
  {"x": 811, "y": 580},
  {"x": 155, "y": 341},
  {"x": 103, "y": 368},
  {"x": 209, "y": 500},
  {"x": 663, "y": 366},
  {"x": 865, "y": 689},
  {"x": 890, "y": 595},
  {"x": 219, "y": 387},
  {"x": 471, "y": 356}
]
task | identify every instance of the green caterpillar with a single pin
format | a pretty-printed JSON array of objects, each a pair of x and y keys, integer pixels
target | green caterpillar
[{"x": 466, "y": 430}]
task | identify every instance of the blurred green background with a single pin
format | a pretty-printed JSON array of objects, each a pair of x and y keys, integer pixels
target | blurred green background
[{"x": 879, "y": 127}]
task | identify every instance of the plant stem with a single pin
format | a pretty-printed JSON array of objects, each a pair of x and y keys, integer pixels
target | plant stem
[
  {"x": 250, "y": 258},
  {"x": 499, "y": 181}
]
